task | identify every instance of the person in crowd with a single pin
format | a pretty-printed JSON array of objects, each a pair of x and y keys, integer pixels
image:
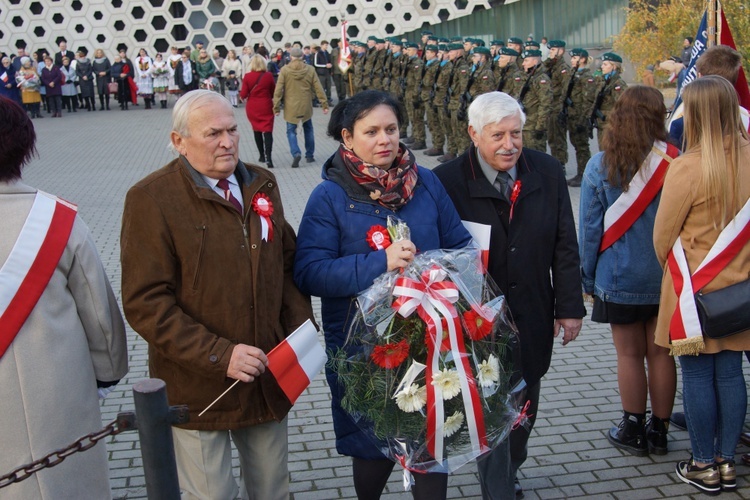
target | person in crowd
[
  {"x": 582, "y": 98},
  {"x": 52, "y": 79},
  {"x": 8, "y": 84},
  {"x": 704, "y": 204},
  {"x": 611, "y": 87},
  {"x": 297, "y": 86},
  {"x": 533, "y": 256},
  {"x": 102, "y": 69},
  {"x": 322, "y": 62},
  {"x": 233, "y": 88},
  {"x": 69, "y": 92},
  {"x": 648, "y": 76},
  {"x": 340, "y": 78},
  {"x": 65, "y": 345},
  {"x": 687, "y": 50},
  {"x": 210, "y": 316},
  {"x": 20, "y": 54},
  {"x": 196, "y": 52},
  {"x": 130, "y": 66},
  {"x": 38, "y": 63},
  {"x": 185, "y": 75},
  {"x": 619, "y": 268},
  {"x": 258, "y": 88},
  {"x": 160, "y": 73},
  {"x": 273, "y": 65},
  {"x": 120, "y": 72},
  {"x": 204, "y": 66},
  {"x": 28, "y": 81},
  {"x": 144, "y": 79},
  {"x": 376, "y": 176},
  {"x": 247, "y": 54},
  {"x": 85, "y": 73},
  {"x": 218, "y": 63},
  {"x": 231, "y": 63},
  {"x": 64, "y": 52},
  {"x": 172, "y": 60}
]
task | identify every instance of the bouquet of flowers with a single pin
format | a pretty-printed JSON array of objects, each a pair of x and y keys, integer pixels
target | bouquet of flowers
[{"x": 428, "y": 366}]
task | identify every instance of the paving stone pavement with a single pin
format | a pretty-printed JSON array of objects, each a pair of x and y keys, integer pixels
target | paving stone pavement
[{"x": 92, "y": 158}]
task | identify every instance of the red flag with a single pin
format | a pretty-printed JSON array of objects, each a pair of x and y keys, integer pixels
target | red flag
[
  {"x": 297, "y": 360},
  {"x": 344, "y": 52},
  {"x": 741, "y": 85}
]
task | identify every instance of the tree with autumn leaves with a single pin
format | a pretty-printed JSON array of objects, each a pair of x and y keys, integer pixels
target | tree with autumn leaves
[{"x": 654, "y": 30}]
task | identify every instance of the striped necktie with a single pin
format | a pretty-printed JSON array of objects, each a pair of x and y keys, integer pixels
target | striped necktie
[
  {"x": 502, "y": 184},
  {"x": 224, "y": 186}
]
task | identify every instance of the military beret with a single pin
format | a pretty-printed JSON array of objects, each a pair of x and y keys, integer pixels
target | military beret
[
  {"x": 480, "y": 42},
  {"x": 444, "y": 39},
  {"x": 372, "y": 37},
  {"x": 455, "y": 46},
  {"x": 556, "y": 44},
  {"x": 411, "y": 45},
  {"x": 457, "y": 39},
  {"x": 506, "y": 51},
  {"x": 432, "y": 39},
  {"x": 395, "y": 41},
  {"x": 442, "y": 47},
  {"x": 531, "y": 43},
  {"x": 499, "y": 43},
  {"x": 516, "y": 40},
  {"x": 481, "y": 50},
  {"x": 532, "y": 53},
  {"x": 433, "y": 48},
  {"x": 579, "y": 52},
  {"x": 427, "y": 32},
  {"x": 611, "y": 56},
  {"x": 379, "y": 40}
]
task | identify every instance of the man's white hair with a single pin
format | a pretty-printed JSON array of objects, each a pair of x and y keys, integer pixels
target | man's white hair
[
  {"x": 493, "y": 107},
  {"x": 191, "y": 101}
]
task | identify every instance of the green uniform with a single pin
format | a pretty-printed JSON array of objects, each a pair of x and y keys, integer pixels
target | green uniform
[
  {"x": 510, "y": 80},
  {"x": 612, "y": 88},
  {"x": 369, "y": 63},
  {"x": 359, "y": 73},
  {"x": 396, "y": 70},
  {"x": 377, "y": 69},
  {"x": 442, "y": 84},
  {"x": 537, "y": 102},
  {"x": 582, "y": 99},
  {"x": 483, "y": 81},
  {"x": 558, "y": 71},
  {"x": 412, "y": 98},
  {"x": 432, "y": 71},
  {"x": 460, "y": 82}
]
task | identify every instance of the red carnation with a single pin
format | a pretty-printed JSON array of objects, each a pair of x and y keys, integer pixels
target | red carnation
[
  {"x": 390, "y": 355},
  {"x": 478, "y": 325}
]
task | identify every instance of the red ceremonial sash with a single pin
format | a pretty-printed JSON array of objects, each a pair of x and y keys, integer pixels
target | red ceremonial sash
[
  {"x": 685, "y": 328},
  {"x": 642, "y": 190},
  {"x": 32, "y": 261}
]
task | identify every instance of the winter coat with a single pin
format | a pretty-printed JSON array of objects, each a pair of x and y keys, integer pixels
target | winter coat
[
  {"x": 102, "y": 65},
  {"x": 179, "y": 79},
  {"x": 8, "y": 84},
  {"x": 335, "y": 262},
  {"x": 197, "y": 279},
  {"x": 205, "y": 68},
  {"x": 30, "y": 84},
  {"x": 69, "y": 88},
  {"x": 296, "y": 87},
  {"x": 684, "y": 213},
  {"x": 73, "y": 337},
  {"x": 85, "y": 70},
  {"x": 52, "y": 80},
  {"x": 534, "y": 259},
  {"x": 231, "y": 65},
  {"x": 257, "y": 91}
]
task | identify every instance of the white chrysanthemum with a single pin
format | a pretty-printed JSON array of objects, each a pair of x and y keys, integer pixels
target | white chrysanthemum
[
  {"x": 489, "y": 371},
  {"x": 412, "y": 398},
  {"x": 453, "y": 424},
  {"x": 448, "y": 382}
]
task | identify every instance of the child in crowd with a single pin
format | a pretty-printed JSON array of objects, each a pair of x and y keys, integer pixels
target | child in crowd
[{"x": 233, "y": 86}]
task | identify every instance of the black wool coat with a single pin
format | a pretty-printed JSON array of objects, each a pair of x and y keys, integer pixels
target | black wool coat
[{"x": 534, "y": 257}]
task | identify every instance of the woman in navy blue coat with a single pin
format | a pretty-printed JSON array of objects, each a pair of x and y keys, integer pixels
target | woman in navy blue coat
[
  {"x": 8, "y": 85},
  {"x": 370, "y": 177}
]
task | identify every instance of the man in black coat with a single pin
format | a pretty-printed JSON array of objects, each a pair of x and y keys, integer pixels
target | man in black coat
[
  {"x": 64, "y": 52},
  {"x": 522, "y": 195}
]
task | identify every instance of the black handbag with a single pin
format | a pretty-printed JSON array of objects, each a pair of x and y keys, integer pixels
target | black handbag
[{"x": 726, "y": 311}]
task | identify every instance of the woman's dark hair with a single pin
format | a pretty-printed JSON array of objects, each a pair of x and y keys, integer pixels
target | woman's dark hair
[
  {"x": 636, "y": 121},
  {"x": 17, "y": 139},
  {"x": 347, "y": 112}
]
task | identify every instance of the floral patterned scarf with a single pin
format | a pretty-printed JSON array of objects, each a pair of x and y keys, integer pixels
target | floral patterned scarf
[{"x": 392, "y": 188}]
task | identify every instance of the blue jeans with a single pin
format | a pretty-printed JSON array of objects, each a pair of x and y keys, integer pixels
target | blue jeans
[
  {"x": 291, "y": 135},
  {"x": 715, "y": 400}
]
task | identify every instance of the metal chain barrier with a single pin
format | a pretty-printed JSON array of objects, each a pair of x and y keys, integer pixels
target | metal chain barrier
[{"x": 124, "y": 422}]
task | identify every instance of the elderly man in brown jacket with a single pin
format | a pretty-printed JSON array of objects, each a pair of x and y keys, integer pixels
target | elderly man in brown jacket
[
  {"x": 295, "y": 87},
  {"x": 207, "y": 280}
]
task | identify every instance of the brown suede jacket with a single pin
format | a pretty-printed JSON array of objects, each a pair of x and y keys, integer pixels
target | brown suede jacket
[{"x": 198, "y": 279}]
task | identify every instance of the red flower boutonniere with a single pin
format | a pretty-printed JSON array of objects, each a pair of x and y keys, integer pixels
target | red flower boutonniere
[
  {"x": 264, "y": 208},
  {"x": 513, "y": 197},
  {"x": 378, "y": 238}
]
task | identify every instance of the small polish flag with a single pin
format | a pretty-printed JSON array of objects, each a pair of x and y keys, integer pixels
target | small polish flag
[
  {"x": 297, "y": 360},
  {"x": 4, "y": 77},
  {"x": 481, "y": 235}
]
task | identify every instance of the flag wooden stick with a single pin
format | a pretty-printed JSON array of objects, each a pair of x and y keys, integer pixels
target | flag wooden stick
[
  {"x": 221, "y": 396},
  {"x": 711, "y": 35}
]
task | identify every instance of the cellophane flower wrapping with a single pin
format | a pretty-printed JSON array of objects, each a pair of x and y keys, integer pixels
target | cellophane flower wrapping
[{"x": 431, "y": 365}]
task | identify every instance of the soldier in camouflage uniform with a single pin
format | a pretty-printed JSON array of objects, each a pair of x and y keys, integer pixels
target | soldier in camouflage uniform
[
  {"x": 359, "y": 66},
  {"x": 414, "y": 69},
  {"x": 397, "y": 85},
  {"x": 495, "y": 46},
  {"x": 431, "y": 72},
  {"x": 377, "y": 69},
  {"x": 460, "y": 82},
  {"x": 482, "y": 77},
  {"x": 516, "y": 44},
  {"x": 507, "y": 75},
  {"x": 611, "y": 87},
  {"x": 582, "y": 99},
  {"x": 536, "y": 99},
  {"x": 558, "y": 71},
  {"x": 440, "y": 101},
  {"x": 369, "y": 62}
]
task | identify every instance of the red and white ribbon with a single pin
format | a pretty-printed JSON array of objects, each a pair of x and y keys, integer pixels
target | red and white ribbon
[
  {"x": 264, "y": 208},
  {"x": 32, "y": 261},
  {"x": 431, "y": 298},
  {"x": 642, "y": 190},
  {"x": 685, "y": 324}
]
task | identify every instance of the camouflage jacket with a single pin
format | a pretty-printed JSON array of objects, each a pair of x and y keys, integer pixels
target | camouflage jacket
[
  {"x": 441, "y": 83},
  {"x": 538, "y": 100}
]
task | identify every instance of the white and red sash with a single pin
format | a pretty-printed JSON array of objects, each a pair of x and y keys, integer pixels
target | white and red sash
[
  {"x": 642, "y": 190},
  {"x": 32, "y": 261},
  {"x": 685, "y": 328}
]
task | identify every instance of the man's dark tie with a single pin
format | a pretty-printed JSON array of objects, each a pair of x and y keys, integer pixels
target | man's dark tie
[
  {"x": 224, "y": 186},
  {"x": 502, "y": 184}
]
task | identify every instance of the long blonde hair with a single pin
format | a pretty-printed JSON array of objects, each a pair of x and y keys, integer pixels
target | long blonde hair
[{"x": 712, "y": 116}]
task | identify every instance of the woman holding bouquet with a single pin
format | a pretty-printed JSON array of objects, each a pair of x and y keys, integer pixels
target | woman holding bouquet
[{"x": 343, "y": 246}]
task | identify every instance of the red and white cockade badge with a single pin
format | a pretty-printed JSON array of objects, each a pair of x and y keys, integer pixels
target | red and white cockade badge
[
  {"x": 378, "y": 238},
  {"x": 513, "y": 197},
  {"x": 263, "y": 207}
]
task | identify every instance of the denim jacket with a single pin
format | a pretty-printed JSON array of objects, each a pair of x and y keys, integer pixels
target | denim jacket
[{"x": 627, "y": 272}]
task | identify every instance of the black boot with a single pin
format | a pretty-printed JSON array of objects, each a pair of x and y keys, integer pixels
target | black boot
[
  {"x": 259, "y": 144},
  {"x": 163, "y": 104},
  {"x": 630, "y": 435},
  {"x": 268, "y": 143},
  {"x": 656, "y": 435},
  {"x": 101, "y": 102},
  {"x": 148, "y": 103},
  {"x": 106, "y": 101}
]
